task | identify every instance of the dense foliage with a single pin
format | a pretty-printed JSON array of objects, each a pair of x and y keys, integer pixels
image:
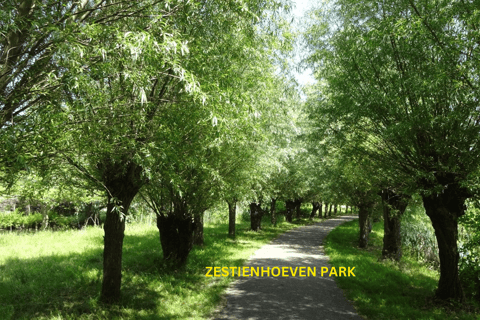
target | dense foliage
[
  {"x": 398, "y": 92},
  {"x": 175, "y": 107}
]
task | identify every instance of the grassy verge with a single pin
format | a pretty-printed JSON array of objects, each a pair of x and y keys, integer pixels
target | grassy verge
[
  {"x": 57, "y": 275},
  {"x": 386, "y": 290}
]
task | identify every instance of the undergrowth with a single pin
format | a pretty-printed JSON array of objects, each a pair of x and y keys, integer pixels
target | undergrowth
[
  {"x": 388, "y": 290},
  {"x": 57, "y": 275}
]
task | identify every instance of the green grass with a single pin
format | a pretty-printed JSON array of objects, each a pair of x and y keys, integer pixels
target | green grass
[
  {"x": 386, "y": 290},
  {"x": 57, "y": 275}
]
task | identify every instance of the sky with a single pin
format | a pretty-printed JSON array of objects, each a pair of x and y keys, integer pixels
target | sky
[{"x": 299, "y": 9}]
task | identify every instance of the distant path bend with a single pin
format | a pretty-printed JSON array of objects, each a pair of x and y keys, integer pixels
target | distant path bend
[{"x": 296, "y": 297}]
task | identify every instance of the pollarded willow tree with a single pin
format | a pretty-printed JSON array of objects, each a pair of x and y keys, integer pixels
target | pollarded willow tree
[
  {"x": 206, "y": 158},
  {"x": 138, "y": 98},
  {"x": 31, "y": 34},
  {"x": 250, "y": 173},
  {"x": 406, "y": 73},
  {"x": 118, "y": 69},
  {"x": 275, "y": 146},
  {"x": 345, "y": 173}
]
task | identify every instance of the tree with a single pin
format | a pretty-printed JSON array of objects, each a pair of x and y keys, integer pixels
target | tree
[
  {"x": 394, "y": 205},
  {"x": 405, "y": 72},
  {"x": 120, "y": 84},
  {"x": 32, "y": 35}
]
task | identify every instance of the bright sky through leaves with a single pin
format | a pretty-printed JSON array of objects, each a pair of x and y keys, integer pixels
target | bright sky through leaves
[{"x": 300, "y": 7}]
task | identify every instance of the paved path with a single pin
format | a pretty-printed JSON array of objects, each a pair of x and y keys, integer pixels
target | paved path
[{"x": 290, "y": 297}]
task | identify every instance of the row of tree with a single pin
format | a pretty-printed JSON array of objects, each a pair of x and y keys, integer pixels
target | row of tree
[
  {"x": 396, "y": 112},
  {"x": 183, "y": 104},
  {"x": 172, "y": 99},
  {"x": 178, "y": 103}
]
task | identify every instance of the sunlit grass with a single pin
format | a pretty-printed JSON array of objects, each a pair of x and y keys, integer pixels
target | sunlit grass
[
  {"x": 385, "y": 290},
  {"x": 57, "y": 275}
]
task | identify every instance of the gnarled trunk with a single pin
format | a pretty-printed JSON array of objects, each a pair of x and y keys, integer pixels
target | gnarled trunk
[
  {"x": 315, "y": 207},
  {"x": 176, "y": 236},
  {"x": 256, "y": 214},
  {"x": 123, "y": 187},
  {"x": 290, "y": 206},
  {"x": 198, "y": 231},
  {"x": 273, "y": 213},
  {"x": 444, "y": 209},
  {"x": 232, "y": 212},
  {"x": 363, "y": 221},
  {"x": 394, "y": 206},
  {"x": 298, "y": 204}
]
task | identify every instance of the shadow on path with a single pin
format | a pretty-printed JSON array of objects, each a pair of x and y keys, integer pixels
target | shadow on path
[{"x": 290, "y": 297}]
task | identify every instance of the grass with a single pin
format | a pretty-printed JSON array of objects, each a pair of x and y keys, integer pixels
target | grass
[
  {"x": 57, "y": 275},
  {"x": 387, "y": 290}
]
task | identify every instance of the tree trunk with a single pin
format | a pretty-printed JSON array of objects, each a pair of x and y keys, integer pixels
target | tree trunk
[
  {"x": 335, "y": 210},
  {"x": 298, "y": 204},
  {"x": 123, "y": 187},
  {"x": 326, "y": 210},
  {"x": 91, "y": 214},
  {"x": 198, "y": 231},
  {"x": 273, "y": 213},
  {"x": 320, "y": 210},
  {"x": 290, "y": 206},
  {"x": 330, "y": 210},
  {"x": 232, "y": 212},
  {"x": 394, "y": 206},
  {"x": 176, "y": 236},
  {"x": 315, "y": 207},
  {"x": 363, "y": 221},
  {"x": 256, "y": 214},
  {"x": 444, "y": 209}
]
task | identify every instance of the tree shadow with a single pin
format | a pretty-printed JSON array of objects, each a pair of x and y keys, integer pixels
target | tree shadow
[
  {"x": 64, "y": 285},
  {"x": 68, "y": 285},
  {"x": 285, "y": 296}
]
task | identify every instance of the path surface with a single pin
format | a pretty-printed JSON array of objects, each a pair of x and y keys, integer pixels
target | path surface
[{"x": 290, "y": 297}]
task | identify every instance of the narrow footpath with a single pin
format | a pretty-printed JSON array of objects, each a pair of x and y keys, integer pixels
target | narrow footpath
[{"x": 290, "y": 297}]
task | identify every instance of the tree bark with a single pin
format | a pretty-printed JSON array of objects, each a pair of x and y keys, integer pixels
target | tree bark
[
  {"x": 273, "y": 213},
  {"x": 315, "y": 207},
  {"x": 335, "y": 210},
  {"x": 290, "y": 206},
  {"x": 363, "y": 221},
  {"x": 444, "y": 209},
  {"x": 256, "y": 214},
  {"x": 123, "y": 187},
  {"x": 394, "y": 206},
  {"x": 326, "y": 210},
  {"x": 320, "y": 210},
  {"x": 330, "y": 210},
  {"x": 298, "y": 204},
  {"x": 198, "y": 231},
  {"x": 232, "y": 208},
  {"x": 176, "y": 236}
]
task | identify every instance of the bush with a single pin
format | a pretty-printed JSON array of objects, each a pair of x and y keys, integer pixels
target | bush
[
  {"x": 10, "y": 220},
  {"x": 418, "y": 236},
  {"x": 63, "y": 222},
  {"x": 33, "y": 221},
  {"x": 469, "y": 250},
  {"x": 15, "y": 220}
]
